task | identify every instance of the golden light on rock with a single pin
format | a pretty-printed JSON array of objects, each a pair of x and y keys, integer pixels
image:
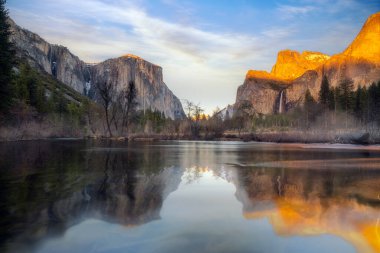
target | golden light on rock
[
  {"x": 367, "y": 44},
  {"x": 131, "y": 56},
  {"x": 294, "y": 216},
  {"x": 260, "y": 74},
  {"x": 371, "y": 233},
  {"x": 291, "y": 64}
]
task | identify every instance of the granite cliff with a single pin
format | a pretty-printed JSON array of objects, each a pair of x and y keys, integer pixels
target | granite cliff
[
  {"x": 59, "y": 62},
  {"x": 294, "y": 72}
]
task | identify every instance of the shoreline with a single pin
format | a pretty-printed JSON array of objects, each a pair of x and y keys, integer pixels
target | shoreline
[{"x": 266, "y": 137}]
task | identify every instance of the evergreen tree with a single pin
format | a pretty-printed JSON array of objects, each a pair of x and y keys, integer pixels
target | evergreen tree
[
  {"x": 346, "y": 95},
  {"x": 364, "y": 104},
  {"x": 60, "y": 102},
  {"x": 324, "y": 92},
  {"x": 28, "y": 88},
  {"x": 360, "y": 106},
  {"x": 309, "y": 107},
  {"x": 331, "y": 103},
  {"x": 6, "y": 61},
  {"x": 21, "y": 89},
  {"x": 36, "y": 93},
  {"x": 374, "y": 102}
]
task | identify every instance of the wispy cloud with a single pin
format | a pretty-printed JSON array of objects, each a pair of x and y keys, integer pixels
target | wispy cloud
[
  {"x": 290, "y": 11},
  {"x": 278, "y": 32}
]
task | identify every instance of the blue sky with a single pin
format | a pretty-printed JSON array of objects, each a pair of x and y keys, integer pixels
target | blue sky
[{"x": 205, "y": 47}]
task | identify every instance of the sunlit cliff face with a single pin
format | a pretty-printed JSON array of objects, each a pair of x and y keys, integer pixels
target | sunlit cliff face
[
  {"x": 298, "y": 203},
  {"x": 291, "y": 64},
  {"x": 367, "y": 44},
  {"x": 260, "y": 74},
  {"x": 131, "y": 56}
]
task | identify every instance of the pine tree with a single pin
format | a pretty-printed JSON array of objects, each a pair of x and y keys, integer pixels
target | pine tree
[
  {"x": 6, "y": 61},
  {"x": 360, "y": 103},
  {"x": 332, "y": 99},
  {"x": 374, "y": 102},
  {"x": 364, "y": 104},
  {"x": 324, "y": 98},
  {"x": 324, "y": 92},
  {"x": 21, "y": 89},
  {"x": 309, "y": 107},
  {"x": 346, "y": 97}
]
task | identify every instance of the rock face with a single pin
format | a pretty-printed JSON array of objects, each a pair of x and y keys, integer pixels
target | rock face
[
  {"x": 152, "y": 92},
  {"x": 294, "y": 73},
  {"x": 367, "y": 44},
  {"x": 291, "y": 64},
  {"x": 263, "y": 93}
]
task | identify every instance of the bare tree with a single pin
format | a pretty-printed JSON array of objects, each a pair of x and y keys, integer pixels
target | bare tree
[
  {"x": 106, "y": 92},
  {"x": 189, "y": 108},
  {"x": 130, "y": 103},
  {"x": 241, "y": 116},
  {"x": 116, "y": 111},
  {"x": 198, "y": 112}
]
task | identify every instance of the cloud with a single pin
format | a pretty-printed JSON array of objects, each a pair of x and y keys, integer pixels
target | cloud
[
  {"x": 278, "y": 32},
  {"x": 130, "y": 20},
  {"x": 290, "y": 11}
]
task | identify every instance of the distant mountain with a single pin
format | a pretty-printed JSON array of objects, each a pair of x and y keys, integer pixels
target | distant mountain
[
  {"x": 58, "y": 61},
  {"x": 285, "y": 86}
]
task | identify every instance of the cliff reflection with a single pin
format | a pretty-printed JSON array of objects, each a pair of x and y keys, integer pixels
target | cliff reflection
[
  {"x": 313, "y": 202},
  {"x": 48, "y": 187},
  {"x": 54, "y": 187}
]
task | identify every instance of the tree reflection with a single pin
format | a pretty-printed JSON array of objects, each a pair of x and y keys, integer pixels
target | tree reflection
[
  {"x": 56, "y": 186},
  {"x": 47, "y": 187}
]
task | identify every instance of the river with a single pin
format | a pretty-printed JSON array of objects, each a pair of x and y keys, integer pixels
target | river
[{"x": 182, "y": 196}]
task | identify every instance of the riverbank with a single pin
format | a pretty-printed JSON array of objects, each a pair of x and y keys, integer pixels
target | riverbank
[{"x": 333, "y": 137}]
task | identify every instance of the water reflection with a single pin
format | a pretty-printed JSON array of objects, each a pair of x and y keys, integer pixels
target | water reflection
[
  {"x": 264, "y": 197},
  {"x": 304, "y": 202}
]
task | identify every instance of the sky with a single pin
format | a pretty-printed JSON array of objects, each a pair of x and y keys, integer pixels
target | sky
[{"x": 205, "y": 47}]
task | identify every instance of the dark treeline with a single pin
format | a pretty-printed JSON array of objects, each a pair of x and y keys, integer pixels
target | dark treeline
[{"x": 362, "y": 103}]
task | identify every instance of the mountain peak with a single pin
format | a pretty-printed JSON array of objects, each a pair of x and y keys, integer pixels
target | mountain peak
[
  {"x": 259, "y": 74},
  {"x": 367, "y": 43},
  {"x": 131, "y": 56},
  {"x": 291, "y": 64}
]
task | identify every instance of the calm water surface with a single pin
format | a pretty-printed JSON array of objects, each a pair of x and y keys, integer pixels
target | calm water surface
[{"x": 87, "y": 196}]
